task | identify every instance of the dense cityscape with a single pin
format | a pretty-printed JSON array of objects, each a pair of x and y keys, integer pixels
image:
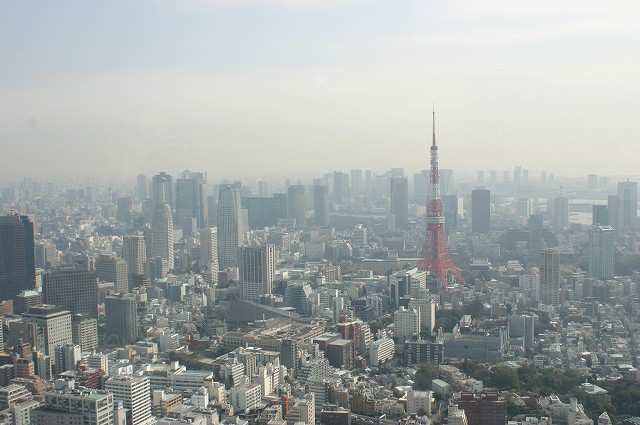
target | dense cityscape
[
  {"x": 319, "y": 212},
  {"x": 358, "y": 297}
]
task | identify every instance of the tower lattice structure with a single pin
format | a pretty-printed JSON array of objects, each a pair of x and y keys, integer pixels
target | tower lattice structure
[{"x": 435, "y": 252}]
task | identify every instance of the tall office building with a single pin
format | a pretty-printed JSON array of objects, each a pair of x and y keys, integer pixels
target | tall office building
[
  {"x": 399, "y": 190},
  {"x": 560, "y": 213},
  {"x": 600, "y": 215},
  {"x": 49, "y": 327},
  {"x": 297, "y": 204},
  {"x": 191, "y": 202},
  {"x": 17, "y": 255},
  {"x": 261, "y": 212},
  {"x": 121, "y": 316},
  {"x": 162, "y": 228},
  {"x": 209, "y": 245},
  {"x": 142, "y": 187},
  {"x": 601, "y": 252},
  {"x": 450, "y": 212},
  {"x": 321, "y": 204},
  {"x": 77, "y": 406},
  {"x": 209, "y": 253},
  {"x": 357, "y": 182},
  {"x": 67, "y": 357},
  {"x": 447, "y": 183},
  {"x": 73, "y": 288},
  {"x": 420, "y": 185},
  {"x": 257, "y": 271},
  {"x": 340, "y": 187},
  {"x": 84, "y": 331},
  {"x": 536, "y": 238},
  {"x": 229, "y": 226},
  {"x": 406, "y": 323},
  {"x": 550, "y": 276},
  {"x": 110, "y": 268},
  {"x": 123, "y": 209},
  {"x": 613, "y": 206},
  {"x": 481, "y": 211},
  {"x": 517, "y": 175},
  {"x": 134, "y": 392},
  {"x": 162, "y": 189},
  {"x": 628, "y": 199},
  {"x": 134, "y": 253}
]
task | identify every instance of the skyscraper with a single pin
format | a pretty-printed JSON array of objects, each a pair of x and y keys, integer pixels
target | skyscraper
[
  {"x": 321, "y": 204},
  {"x": 421, "y": 185},
  {"x": 340, "y": 187},
  {"x": 628, "y": 198},
  {"x": 110, "y": 268},
  {"x": 399, "y": 190},
  {"x": 49, "y": 327},
  {"x": 142, "y": 187},
  {"x": 229, "y": 226},
  {"x": 601, "y": 252},
  {"x": 261, "y": 212},
  {"x": 134, "y": 252},
  {"x": 536, "y": 238},
  {"x": 550, "y": 276},
  {"x": 162, "y": 228},
  {"x": 357, "y": 183},
  {"x": 191, "y": 202},
  {"x": 600, "y": 215},
  {"x": 481, "y": 210},
  {"x": 121, "y": 316},
  {"x": 613, "y": 207},
  {"x": 162, "y": 187},
  {"x": 257, "y": 271},
  {"x": 560, "y": 213},
  {"x": 296, "y": 204},
  {"x": 450, "y": 211},
  {"x": 73, "y": 288},
  {"x": 17, "y": 255},
  {"x": 134, "y": 392},
  {"x": 123, "y": 210}
]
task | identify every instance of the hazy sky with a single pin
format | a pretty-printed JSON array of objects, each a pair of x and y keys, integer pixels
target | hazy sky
[{"x": 300, "y": 87}]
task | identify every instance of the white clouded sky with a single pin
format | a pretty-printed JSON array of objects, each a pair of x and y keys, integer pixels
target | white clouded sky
[{"x": 295, "y": 87}]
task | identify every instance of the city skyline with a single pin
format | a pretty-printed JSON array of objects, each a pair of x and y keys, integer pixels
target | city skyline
[{"x": 232, "y": 88}]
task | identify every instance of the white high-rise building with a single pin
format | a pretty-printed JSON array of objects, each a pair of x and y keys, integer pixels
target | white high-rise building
[
  {"x": 229, "y": 226},
  {"x": 601, "y": 251},
  {"x": 381, "y": 350},
  {"x": 50, "y": 327},
  {"x": 427, "y": 312},
  {"x": 246, "y": 396},
  {"x": 550, "y": 276},
  {"x": 134, "y": 392},
  {"x": 257, "y": 271},
  {"x": 162, "y": 228},
  {"x": 561, "y": 213},
  {"x": 531, "y": 283},
  {"x": 406, "y": 323},
  {"x": 67, "y": 357}
]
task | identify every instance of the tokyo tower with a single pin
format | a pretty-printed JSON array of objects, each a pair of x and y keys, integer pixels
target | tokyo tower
[{"x": 435, "y": 252}]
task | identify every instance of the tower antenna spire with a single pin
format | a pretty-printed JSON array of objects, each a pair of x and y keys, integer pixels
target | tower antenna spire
[{"x": 434, "y": 123}]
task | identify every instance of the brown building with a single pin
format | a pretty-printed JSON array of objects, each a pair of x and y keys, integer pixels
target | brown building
[
  {"x": 483, "y": 409},
  {"x": 340, "y": 353}
]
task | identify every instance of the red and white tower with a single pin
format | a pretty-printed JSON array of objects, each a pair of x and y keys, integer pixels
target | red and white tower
[{"x": 435, "y": 252}]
